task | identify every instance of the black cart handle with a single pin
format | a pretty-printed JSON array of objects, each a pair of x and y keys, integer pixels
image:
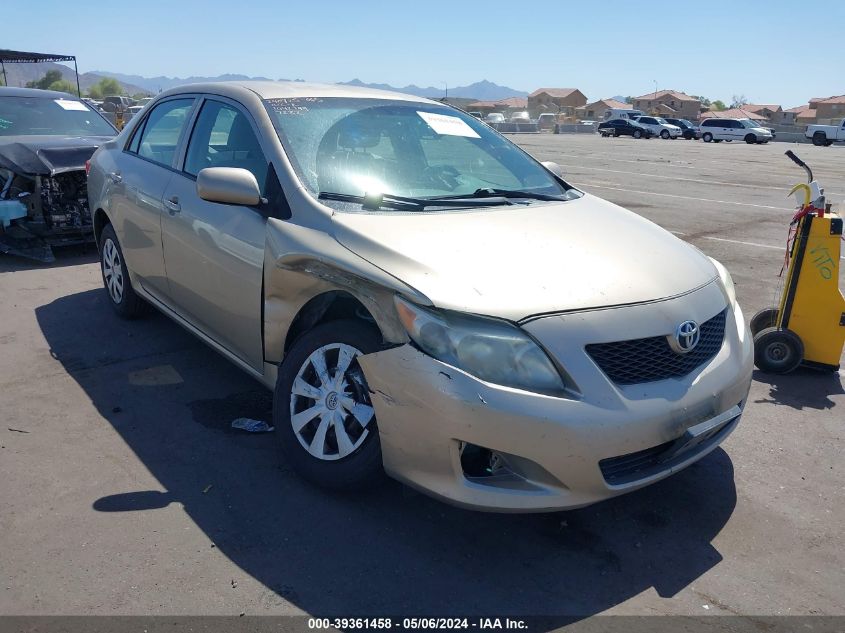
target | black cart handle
[{"x": 791, "y": 155}]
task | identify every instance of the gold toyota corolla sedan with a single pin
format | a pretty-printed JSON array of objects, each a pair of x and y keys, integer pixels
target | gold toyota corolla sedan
[{"x": 424, "y": 297}]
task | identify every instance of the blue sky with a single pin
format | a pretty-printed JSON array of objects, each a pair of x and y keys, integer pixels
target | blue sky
[{"x": 765, "y": 51}]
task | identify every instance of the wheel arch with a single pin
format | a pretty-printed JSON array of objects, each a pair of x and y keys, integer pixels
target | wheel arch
[
  {"x": 101, "y": 220},
  {"x": 332, "y": 305}
]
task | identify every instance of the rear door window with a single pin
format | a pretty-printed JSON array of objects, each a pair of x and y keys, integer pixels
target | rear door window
[{"x": 162, "y": 131}]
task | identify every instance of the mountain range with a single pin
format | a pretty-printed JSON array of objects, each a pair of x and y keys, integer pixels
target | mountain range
[
  {"x": 20, "y": 74},
  {"x": 480, "y": 90}
]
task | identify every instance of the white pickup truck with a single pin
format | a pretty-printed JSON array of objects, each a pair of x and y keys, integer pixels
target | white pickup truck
[{"x": 826, "y": 134}]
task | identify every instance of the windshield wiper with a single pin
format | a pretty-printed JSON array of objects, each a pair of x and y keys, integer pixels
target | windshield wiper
[
  {"x": 515, "y": 193},
  {"x": 402, "y": 203}
]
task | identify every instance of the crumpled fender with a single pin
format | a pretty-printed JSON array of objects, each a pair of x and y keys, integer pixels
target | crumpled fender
[{"x": 301, "y": 263}]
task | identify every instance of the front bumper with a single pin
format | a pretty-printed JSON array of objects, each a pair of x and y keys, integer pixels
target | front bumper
[{"x": 558, "y": 453}]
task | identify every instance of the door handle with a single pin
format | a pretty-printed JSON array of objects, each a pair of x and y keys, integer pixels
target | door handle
[
  {"x": 116, "y": 178},
  {"x": 173, "y": 205}
]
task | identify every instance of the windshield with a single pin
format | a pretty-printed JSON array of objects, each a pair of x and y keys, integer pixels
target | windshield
[
  {"x": 401, "y": 148},
  {"x": 749, "y": 123},
  {"x": 661, "y": 120},
  {"x": 28, "y": 116}
]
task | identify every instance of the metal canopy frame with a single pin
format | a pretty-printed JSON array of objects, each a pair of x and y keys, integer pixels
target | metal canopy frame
[{"x": 23, "y": 57}]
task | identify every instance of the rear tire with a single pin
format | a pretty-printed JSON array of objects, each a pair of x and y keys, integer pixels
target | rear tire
[
  {"x": 819, "y": 139},
  {"x": 777, "y": 351},
  {"x": 707, "y": 137},
  {"x": 765, "y": 318},
  {"x": 338, "y": 447},
  {"x": 122, "y": 298}
]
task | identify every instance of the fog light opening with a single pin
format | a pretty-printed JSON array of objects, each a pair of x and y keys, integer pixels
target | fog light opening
[{"x": 477, "y": 461}]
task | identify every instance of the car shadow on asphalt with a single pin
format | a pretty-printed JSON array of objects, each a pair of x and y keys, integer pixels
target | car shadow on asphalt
[
  {"x": 803, "y": 388},
  {"x": 390, "y": 551},
  {"x": 65, "y": 256}
]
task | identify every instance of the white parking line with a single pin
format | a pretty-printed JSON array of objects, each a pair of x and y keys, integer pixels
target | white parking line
[
  {"x": 698, "y": 180},
  {"x": 626, "y": 160},
  {"x": 777, "y": 248},
  {"x": 670, "y": 195},
  {"x": 722, "y": 239}
]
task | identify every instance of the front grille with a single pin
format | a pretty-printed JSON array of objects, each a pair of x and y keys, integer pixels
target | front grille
[
  {"x": 626, "y": 469},
  {"x": 648, "y": 359}
]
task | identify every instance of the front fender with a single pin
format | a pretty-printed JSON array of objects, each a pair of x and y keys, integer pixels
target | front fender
[{"x": 301, "y": 263}]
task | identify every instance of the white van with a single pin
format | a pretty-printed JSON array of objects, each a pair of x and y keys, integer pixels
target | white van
[
  {"x": 734, "y": 130},
  {"x": 622, "y": 113}
]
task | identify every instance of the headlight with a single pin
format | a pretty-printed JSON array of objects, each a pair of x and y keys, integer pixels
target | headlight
[
  {"x": 492, "y": 350},
  {"x": 727, "y": 281}
]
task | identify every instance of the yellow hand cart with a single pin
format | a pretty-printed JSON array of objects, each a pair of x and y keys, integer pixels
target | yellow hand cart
[{"x": 808, "y": 326}]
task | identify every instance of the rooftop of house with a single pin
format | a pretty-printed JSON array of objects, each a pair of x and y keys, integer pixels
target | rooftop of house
[
  {"x": 554, "y": 92},
  {"x": 675, "y": 94},
  {"x": 758, "y": 107},
  {"x": 732, "y": 113}
]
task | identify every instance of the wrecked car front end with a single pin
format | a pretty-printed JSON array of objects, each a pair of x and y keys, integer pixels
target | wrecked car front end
[
  {"x": 46, "y": 138},
  {"x": 44, "y": 196}
]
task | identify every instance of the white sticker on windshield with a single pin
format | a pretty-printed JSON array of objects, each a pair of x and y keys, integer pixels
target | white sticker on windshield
[
  {"x": 67, "y": 104},
  {"x": 445, "y": 124}
]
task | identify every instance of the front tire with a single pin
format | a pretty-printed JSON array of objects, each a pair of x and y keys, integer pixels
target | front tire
[
  {"x": 324, "y": 418},
  {"x": 122, "y": 298},
  {"x": 750, "y": 139},
  {"x": 707, "y": 137},
  {"x": 664, "y": 134},
  {"x": 777, "y": 351},
  {"x": 637, "y": 134}
]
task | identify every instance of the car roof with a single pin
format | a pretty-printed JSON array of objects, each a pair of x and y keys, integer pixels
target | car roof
[
  {"x": 6, "y": 91},
  {"x": 293, "y": 89}
]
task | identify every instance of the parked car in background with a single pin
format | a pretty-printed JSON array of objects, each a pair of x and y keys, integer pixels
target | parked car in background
[
  {"x": 495, "y": 117},
  {"x": 659, "y": 126},
  {"x": 116, "y": 103},
  {"x": 621, "y": 113},
  {"x": 400, "y": 333},
  {"x": 45, "y": 139},
  {"x": 688, "y": 130},
  {"x": 624, "y": 127},
  {"x": 733, "y": 130},
  {"x": 547, "y": 121},
  {"x": 826, "y": 135},
  {"x": 520, "y": 117}
]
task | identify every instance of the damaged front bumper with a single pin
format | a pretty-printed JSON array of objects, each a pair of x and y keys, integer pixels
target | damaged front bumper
[
  {"x": 43, "y": 199},
  {"x": 494, "y": 448}
]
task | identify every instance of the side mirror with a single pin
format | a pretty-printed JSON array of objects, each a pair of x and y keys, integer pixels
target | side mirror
[
  {"x": 228, "y": 185},
  {"x": 556, "y": 169}
]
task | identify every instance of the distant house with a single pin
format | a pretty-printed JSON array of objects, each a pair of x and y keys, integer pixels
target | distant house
[
  {"x": 801, "y": 115},
  {"x": 830, "y": 110},
  {"x": 733, "y": 113},
  {"x": 595, "y": 111},
  {"x": 671, "y": 103},
  {"x": 561, "y": 101},
  {"x": 774, "y": 113}
]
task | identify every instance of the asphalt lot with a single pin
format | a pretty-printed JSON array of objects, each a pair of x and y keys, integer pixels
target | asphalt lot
[{"x": 123, "y": 490}]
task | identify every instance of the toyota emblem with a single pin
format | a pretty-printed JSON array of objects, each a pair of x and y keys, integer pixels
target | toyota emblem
[{"x": 686, "y": 337}]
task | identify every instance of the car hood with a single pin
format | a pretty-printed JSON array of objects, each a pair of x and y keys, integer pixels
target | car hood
[
  {"x": 519, "y": 261},
  {"x": 47, "y": 155}
]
